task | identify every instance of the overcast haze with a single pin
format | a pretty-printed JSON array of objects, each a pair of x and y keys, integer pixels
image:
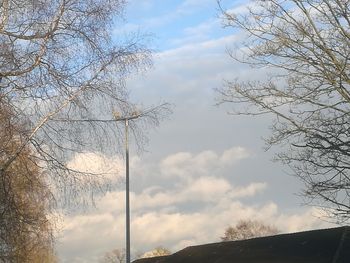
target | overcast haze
[{"x": 203, "y": 169}]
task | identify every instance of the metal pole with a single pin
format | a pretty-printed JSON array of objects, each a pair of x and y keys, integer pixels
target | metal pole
[{"x": 127, "y": 207}]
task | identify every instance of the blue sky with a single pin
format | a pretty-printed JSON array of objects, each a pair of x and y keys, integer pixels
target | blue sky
[
  {"x": 175, "y": 23},
  {"x": 203, "y": 169}
]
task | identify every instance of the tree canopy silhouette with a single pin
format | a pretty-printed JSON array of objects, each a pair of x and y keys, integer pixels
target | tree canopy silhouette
[{"x": 305, "y": 48}]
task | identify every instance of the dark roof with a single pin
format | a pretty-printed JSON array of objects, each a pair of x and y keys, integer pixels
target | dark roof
[{"x": 316, "y": 246}]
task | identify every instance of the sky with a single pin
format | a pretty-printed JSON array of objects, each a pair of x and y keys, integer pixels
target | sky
[{"x": 203, "y": 169}]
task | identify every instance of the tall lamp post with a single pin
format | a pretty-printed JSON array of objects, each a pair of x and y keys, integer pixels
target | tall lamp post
[
  {"x": 127, "y": 180},
  {"x": 117, "y": 118}
]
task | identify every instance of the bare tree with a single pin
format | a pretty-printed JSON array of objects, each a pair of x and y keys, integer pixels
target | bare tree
[
  {"x": 26, "y": 233},
  {"x": 246, "y": 229},
  {"x": 305, "y": 47},
  {"x": 63, "y": 73},
  {"x": 114, "y": 256},
  {"x": 157, "y": 252}
]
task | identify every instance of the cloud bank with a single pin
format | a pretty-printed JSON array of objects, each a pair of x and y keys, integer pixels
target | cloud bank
[{"x": 194, "y": 208}]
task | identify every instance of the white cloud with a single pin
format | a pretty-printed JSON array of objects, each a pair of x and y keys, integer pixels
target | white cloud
[
  {"x": 86, "y": 237},
  {"x": 203, "y": 48},
  {"x": 193, "y": 209},
  {"x": 99, "y": 165},
  {"x": 207, "y": 188},
  {"x": 199, "y": 33},
  {"x": 91, "y": 235},
  {"x": 241, "y": 7},
  {"x": 234, "y": 155},
  {"x": 248, "y": 191},
  {"x": 186, "y": 165}
]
